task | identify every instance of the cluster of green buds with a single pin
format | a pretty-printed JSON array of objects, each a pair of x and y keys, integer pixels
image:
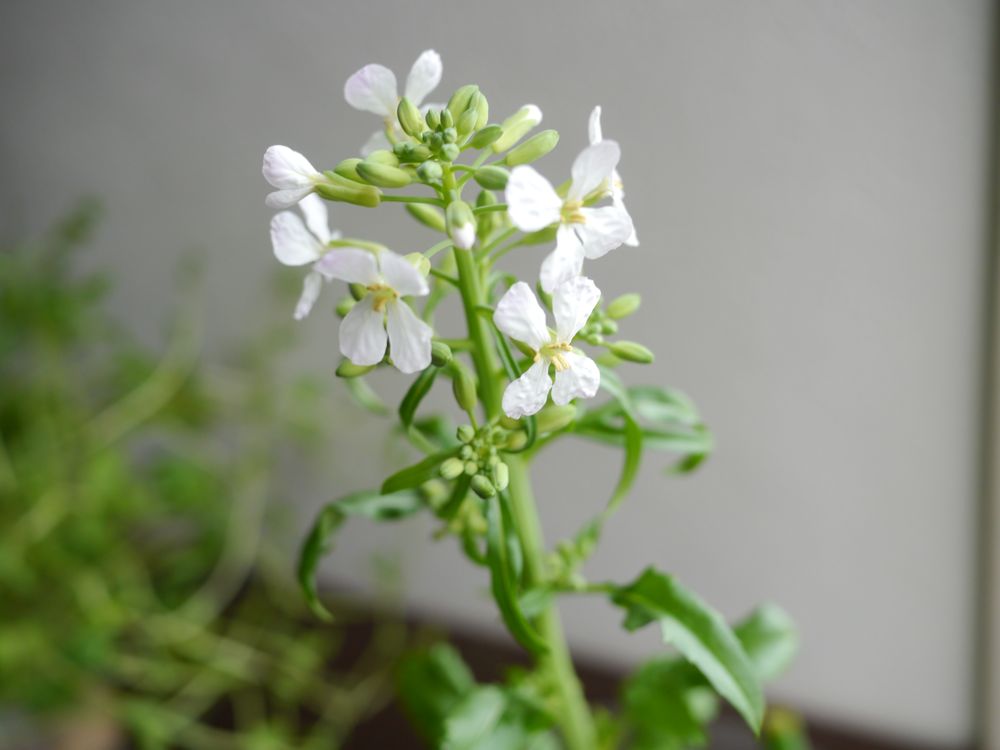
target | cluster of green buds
[
  {"x": 479, "y": 459},
  {"x": 603, "y": 322}
]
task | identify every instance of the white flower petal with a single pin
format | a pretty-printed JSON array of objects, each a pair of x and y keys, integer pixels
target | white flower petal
[
  {"x": 605, "y": 229},
  {"x": 528, "y": 393},
  {"x": 519, "y": 315},
  {"x": 409, "y": 338},
  {"x": 372, "y": 89},
  {"x": 572, "y": 303},
  {"x": 350, "y": 264},
  {"x": 286, "y": 198},
  {"x": 286, "y": 168},
  {"x": 594, "y": 126},
  {"x": 310, "y": 293},
  {"x": 580, "y": 380},
  {"x": 362, "y": 333},
  {"x": 563, "y": 263},
  {"x": 618, "y": 199},
  {"x": 401, "y": 275},
  {"x": 317, "y": 219},
  {"x": 424, "y": 76},
  {"x": 593, "y": 166},
  {"x": 377, "y": 142},
  {"x": 293, "y": 244},
  {"x": 532, "y": 202}
]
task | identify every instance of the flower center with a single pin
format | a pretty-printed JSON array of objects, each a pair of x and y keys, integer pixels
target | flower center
[
  {"x": 554, "y": 353},
  {"x": 382, "y": 295},
  {"x": 571, "y": 213}
]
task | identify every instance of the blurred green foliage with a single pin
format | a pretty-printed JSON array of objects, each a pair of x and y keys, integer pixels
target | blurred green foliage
[{"x": 140, "y": 600}]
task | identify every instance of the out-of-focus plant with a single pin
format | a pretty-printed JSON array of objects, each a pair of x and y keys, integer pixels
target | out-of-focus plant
[
  {"x": 469, "y": 180},
  {"x": 139, "y": 598}
]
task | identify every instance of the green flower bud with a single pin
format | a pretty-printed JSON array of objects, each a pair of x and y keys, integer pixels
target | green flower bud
[
  {"x": 532, "y": 149},
  {"x": 467, "y": 122},
  {"x": 461, "y": 224},
  {"x": 623, "y": 306},
  {"x": 420, "y": 262},
  {"x": 383, "y": 175},
  {"x": 483, "y": 487},
  {"x": 447, "y": 119},
  {"x": 450, "y": 135},
  {"x": 450, "y": 151},
  {"x": 516, "y": 440},
  {"x": 429, "y": 172},
  {"x": 501, "y": 475},
  {"x": 488, "y": 221},
  {"x": 464, "y": 386},
  {"x": 466, "y": 453},
  {"x": 631, "y": 351},
  {"x": 410, "y": 119},
  {"x": 609, "y": 327},
  {"x": 607, "y": 359},
  {"x": 458, "y": 103},
  {"x": 413, "y": 154},
  {"x": 491, "y": 177},
  {"x": 479, "y": 103},
  {"x": 429, "y": 216},
  {"x": 347, "y": 369},
  {"x": 517, "y": 126},
  {"x": 382, "y": 156},
  {"x": 436, "y": 141},
  {"x": 348, "y": 168},
  {"x": 465, "y": 433},
  {"x": 452, "y": 468},
  {"x": 433, "y": 118},
  {"x": 471, "y": 468},
  {"x": 346, "y": 191},
  {"x": 344, "y": 306},
  {"x": 440, "y": 354},
  {"x": 358, "y": 291},
  {"x": 553, "y": 418},
  {"x": 486, "y": 136}
]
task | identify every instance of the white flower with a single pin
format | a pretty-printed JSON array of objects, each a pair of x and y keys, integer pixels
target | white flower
[
  {"x": 291, "y": 173},
  {"x": 296, "y": 245},
  {"x": 584, "y": 232},
  {"x": 519, "y": 315},
  {"x": 363, "y": 332},
  {"x": 373, "y": 89},
  {"x": 617, "y": 187}
]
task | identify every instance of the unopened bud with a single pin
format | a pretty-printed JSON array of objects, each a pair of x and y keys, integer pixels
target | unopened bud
[
  {"x": 382, "y": 156},
  {"x": 461, "y": 224},
  {"x": 501, "y": 475},
  {"x": 383, "y": 175},
  {"x": 631, "y": 351},
  {"x": 429, "y": 216},
  {"x": 517, "y": 126},
  {"x": 471, "y": 468},
  {"x": 433, "y": 118},
  {"x": 338, "y": 188},
  {"x": 429, "y": 172},
  {"x": 483, "y": 487},
  {"x": 410, "y": 119},
  {"x": 440, "y": 353},
  {"x": 479, "y": 103},
  {"x": 412, "y": 153},
  {"x": 553, "y": 418},
  {"x": 609, "y": 327},
  {"x": 358, "y": 291},
  {"x": 532, "y": 149},
  {"x": 348, "y": 168},
  {"x": 491, "y": 177},
  {"x": 464, "y": 386},
  {"x": 344, "y": 306},
  {"x": 516, "y": 440},
  {"x": 347, "y": 369},
  {"x": 449, "y": 135},
  {"x": 485, "y": 136},
  {"x": 465, "y": 433},
  {"x": 447, "y": 119},
  {"x": 459, "y": 102},
  {"x": 452, "y": 468},
  {"x": 623, "y": 306},
  {"x": 467, "y": 122},
  {"x": 450, "y": 151},
  {"x": 420, "y": 262}
]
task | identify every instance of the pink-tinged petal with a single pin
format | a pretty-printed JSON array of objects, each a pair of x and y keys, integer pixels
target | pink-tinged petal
[
  {"x": 580, "y": 380},
  {"x": 519, "y": 315},
  {"x": 293, "y": 244},
  {"x": 378, "y": 142},
  {"x": 372, "y": 89},
  {"x": 594, "y": 126},
  {"x": 572, "y": 303},
  {"x": 362, "y": 333},
  {"x": 605, "y": 229},
  {"x": 317, "y": 219},
  {"x": 593, "y": 166},
  {"x": 532, "y": 202},
  {"x": 350, "y": 264},
  {"x": 563, "y": 263},
  {"x": 424, "y": 76},
  {"x": 527, "y": 394},
  {"x": 287, "y": 169},
  {"x": 409, "y": 338},
  {"x": 311, "y": 286},
  {"x": 402, "y": 275},
  {"x": 286, "y": 198}
]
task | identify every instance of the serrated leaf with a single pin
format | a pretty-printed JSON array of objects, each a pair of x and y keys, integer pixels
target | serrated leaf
[{"x": 699, "y": 633}]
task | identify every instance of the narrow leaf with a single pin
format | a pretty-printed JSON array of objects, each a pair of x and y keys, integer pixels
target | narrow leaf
[
  {"x": 420, "y": 387},
  {"x": 418, "y": 473}
]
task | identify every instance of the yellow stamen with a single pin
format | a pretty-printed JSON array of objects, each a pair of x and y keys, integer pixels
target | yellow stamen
[
  {"x": 383, "y": 294},
  {"x": 572, "y": 214}
]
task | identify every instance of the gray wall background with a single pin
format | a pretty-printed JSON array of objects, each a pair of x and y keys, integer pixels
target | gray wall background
[{"x": 808, "y": 180}]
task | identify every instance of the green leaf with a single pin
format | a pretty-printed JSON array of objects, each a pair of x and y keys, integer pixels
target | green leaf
[
  {"x": 420, "y": 387},
  {"x": 668, "y": 705},
  {"x": 418, "y": 473},
  {"x": 663, "y": 405},
  {"x": 699, "y": 633},
  {"x": 431, "y": 684},
  {"x": 770, "y": 639},
  {"x": 370, "y": 505},
  {"x": 474, "y": 720},
  {"x": 503, "y": 580}
]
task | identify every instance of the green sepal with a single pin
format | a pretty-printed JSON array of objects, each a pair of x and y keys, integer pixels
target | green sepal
[{"x": 429, "y": 216}]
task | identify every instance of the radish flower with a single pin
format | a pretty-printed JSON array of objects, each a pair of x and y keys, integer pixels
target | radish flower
[
  {"x": 297, "y": 244},
  {"x": 617, "y": 188},
  {"x": 373, "y": 89},
  {"x": 584, "y": 231},
  {"x": 291, "y": 173},
  {"x": 519, "y": 315}
]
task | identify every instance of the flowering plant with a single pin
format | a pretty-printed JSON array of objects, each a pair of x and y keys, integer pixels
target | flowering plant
[{"x": 474, "y": 477}]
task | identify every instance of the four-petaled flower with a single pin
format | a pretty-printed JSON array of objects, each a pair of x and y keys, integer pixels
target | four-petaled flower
[
  {"x": 519, "y": 315},
  {"x": 290, "y": 172},
  {"x": 373, "y": 89},
  {"x": 617, "y": 187},
  {"x": 584, "y": 231},
  {"x": 381, "y": 313}
]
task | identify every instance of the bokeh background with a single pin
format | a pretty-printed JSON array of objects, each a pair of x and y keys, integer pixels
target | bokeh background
[{"x": 811, "y": 187}]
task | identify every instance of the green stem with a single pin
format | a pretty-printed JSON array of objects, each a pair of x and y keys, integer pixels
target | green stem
[{"x": 410, "y": 199}]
